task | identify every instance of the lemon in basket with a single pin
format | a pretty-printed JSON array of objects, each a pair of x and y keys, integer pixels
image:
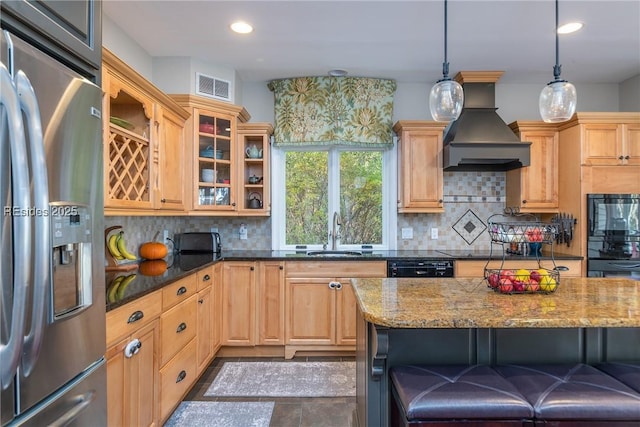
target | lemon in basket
[
  {"x": 522, "y": 275},
  {"x": 548, "y": 284}
]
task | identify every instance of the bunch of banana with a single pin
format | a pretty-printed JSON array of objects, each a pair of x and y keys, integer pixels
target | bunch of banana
[
  {"x": 118, "y": 286},
  {"x": 118, "y": 248}
]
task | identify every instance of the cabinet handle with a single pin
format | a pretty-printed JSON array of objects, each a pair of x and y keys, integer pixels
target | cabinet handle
[
  {"x": 338, "y": 285},
  {"x": 163, "y": 200},
  {"x": 206, "y": 278},
  {"x": 626, "y": 157},
  {"x": 201, "y": 301},
  {"x": 181, "y": 376},
  {"x": 181, "y": 327},
  {"x": 181, "y": 291},
  {"x": 135, "y": 316},
  {"x": 621, "y": 157}
]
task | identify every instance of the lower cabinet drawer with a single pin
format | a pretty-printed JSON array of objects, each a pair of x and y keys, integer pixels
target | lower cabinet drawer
[
  {"x": 176, "y": 378},
  {"x": 177, "y": 328}
]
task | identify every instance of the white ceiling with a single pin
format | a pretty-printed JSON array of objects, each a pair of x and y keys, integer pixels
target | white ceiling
[{"x": 402, "y": 40}]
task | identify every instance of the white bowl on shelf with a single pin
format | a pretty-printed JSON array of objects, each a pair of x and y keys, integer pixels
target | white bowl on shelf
[{"x": 208, "y": 175}]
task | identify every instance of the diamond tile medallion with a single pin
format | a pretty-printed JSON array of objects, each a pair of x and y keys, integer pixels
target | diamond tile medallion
[{"x": 469, "y": 226}]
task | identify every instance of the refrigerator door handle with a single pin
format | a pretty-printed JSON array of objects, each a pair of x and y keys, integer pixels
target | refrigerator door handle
[
  {"x": 41, "y": 268},
  {"x": 10, "y": 352}
]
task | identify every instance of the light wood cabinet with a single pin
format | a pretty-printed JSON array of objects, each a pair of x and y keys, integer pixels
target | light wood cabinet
[
  {"x": 475, "y": 268},
  {"x": 177, "y": 328},
  {"x": 534, "y": 188},
  {"x": 132, "y": 378},
  {"x": 238, "y": 303},
  {"x": 143, "y": 137},
  {"x": 420, "y": 173},
  {"x": 254, "y": 198},
  {"x": 176, "y": 378},
  {"x": 208, "y": 316},
  {"x": 611, "y": 144},
  {"x": 270, "y": 303},
  {"x": 214, "y": 185},
  {"x": 320, "y": 307}
]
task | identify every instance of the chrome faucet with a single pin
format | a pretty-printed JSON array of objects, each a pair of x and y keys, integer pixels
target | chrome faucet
[{"x": 334, "y": 231}]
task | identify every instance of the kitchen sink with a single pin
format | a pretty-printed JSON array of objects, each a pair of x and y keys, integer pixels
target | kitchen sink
[{"x": 334, "y": 253}]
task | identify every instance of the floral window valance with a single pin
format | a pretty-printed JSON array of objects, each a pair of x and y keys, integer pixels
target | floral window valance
[{"x": 333, "y": 110}]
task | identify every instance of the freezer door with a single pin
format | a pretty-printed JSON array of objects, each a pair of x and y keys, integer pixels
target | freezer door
[
  {"x": 73, "y": 334},
  {"x": 81, "y": 403}
]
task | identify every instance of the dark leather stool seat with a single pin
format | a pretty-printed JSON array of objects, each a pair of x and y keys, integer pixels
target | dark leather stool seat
[
  {"x": 627, "y": 373},
  {"x": 574, "y": 392},
  {"x": 424, "y": 393}
]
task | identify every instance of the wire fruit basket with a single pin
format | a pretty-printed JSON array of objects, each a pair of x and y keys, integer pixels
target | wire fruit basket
[{"x": 522, "y": 281}]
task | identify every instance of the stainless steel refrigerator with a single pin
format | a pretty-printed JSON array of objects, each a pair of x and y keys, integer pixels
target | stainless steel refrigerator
[{"x": 52, "y": 318}]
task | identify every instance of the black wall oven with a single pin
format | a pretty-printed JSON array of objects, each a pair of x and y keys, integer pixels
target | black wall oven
[{"x": 613, "y": 239}]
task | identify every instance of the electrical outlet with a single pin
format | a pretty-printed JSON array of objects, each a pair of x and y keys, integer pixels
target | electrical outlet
[
  {"x": 165, "y": 236},
  {"x": 243, "y": 232},
  {"x": 407, "y": 233},
  {"x": 434, "y": 233}
]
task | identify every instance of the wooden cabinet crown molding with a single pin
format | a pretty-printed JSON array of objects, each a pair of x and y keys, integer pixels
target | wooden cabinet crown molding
[
  {"x": 409, "y": 125},
  {"x": 256, "y": 127},
  {"x": 520, "y": 126},
  {"x": 601, "y": 117},
  {"x": 125, "y": 72},
  {"x": 203, "y": 103}
]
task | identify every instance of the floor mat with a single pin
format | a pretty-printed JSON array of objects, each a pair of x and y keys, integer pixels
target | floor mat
[
  {"x": 285, "y": 379},
  {"x": 221, "y": 414}
]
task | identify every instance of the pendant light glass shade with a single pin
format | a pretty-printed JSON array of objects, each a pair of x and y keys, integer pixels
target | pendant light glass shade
[
  {"x": 558, "y": 99},
  {"x": 445, "y": 100},
  {"x": 446, "y": 97}
]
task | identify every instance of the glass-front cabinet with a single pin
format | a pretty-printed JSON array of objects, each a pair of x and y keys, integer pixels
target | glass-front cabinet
[
  {"x": 214, "y": 184},
  {"x": 215, "y": 160},
  {"x": 253, "y": 169}
]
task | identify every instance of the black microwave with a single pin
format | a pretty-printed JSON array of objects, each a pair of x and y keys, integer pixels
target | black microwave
[{"x": 613, "y": 226}]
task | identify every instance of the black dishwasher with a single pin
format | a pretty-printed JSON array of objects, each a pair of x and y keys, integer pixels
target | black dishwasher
[{"x": 420, "y": 268}]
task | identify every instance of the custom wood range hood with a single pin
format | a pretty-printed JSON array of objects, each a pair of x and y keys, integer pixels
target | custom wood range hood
[{"x": 479, "y": 140}]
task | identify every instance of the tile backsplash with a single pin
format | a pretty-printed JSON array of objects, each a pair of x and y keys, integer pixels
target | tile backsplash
[{"x": 481, "y": 192}]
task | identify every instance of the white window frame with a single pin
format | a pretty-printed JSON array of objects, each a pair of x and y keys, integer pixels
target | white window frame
[{"x": 389, "y": 196}]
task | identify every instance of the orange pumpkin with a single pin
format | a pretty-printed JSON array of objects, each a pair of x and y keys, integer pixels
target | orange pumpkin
[
  {"x": 153, "y": 250},
  {"x": 153, "y": 267}
]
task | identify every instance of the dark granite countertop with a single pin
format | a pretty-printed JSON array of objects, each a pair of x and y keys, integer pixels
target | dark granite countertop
[{"x": 182, "y": 265}]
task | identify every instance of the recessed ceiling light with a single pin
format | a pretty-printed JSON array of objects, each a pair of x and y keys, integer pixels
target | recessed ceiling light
[
  {"x": 571, "y": 27},
  {"x": 338, "y": 73},
  {"x": 241, "y": 27}
]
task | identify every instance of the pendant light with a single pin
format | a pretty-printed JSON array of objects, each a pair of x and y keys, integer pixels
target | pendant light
[
  {"x": 558, "y": 98},
  {"x": 446, "y": 97}
]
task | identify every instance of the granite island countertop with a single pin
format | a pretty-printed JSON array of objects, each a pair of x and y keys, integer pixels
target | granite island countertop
[{"x": 469, "y": 303}]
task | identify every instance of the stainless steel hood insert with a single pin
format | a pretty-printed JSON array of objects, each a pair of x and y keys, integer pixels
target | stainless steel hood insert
[{"x": 479, "y": 140}]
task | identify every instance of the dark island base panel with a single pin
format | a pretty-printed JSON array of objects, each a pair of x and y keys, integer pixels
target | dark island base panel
[{"x": 379, "y": 349}]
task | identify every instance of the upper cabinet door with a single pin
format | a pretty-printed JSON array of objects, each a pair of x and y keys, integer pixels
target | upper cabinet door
[{"x": 69, "y": 29}]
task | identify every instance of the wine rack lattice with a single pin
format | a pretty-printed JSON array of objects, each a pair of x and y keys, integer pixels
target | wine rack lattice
[{"x": 128, "y": 166}]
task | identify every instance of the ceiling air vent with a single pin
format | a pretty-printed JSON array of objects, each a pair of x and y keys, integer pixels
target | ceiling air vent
[{"x": 213, "y": 87}]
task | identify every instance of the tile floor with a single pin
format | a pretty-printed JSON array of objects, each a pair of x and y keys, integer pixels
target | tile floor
[{"x": 288, "y": 411}]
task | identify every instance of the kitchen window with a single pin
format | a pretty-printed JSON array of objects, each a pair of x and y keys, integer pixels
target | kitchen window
[{"x": 310, "y": 185}]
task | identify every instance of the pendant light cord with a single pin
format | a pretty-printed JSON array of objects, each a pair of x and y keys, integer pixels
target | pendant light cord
[
  {"x": 557, "y": 67},
  {"x": 445, "y": 64}
]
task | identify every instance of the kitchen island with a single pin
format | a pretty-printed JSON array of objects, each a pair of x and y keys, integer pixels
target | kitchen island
[{"x": 461, "y": 321}]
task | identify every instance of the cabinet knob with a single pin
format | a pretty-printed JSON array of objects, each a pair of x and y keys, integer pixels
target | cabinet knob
[
  {"x": 621, "y": 157},
  {"x": 524, "y": 202},
  {"x": 201, "y": 301},
  {"x": 163, "y": 200},
  {"x": 280, "y": 267},
  {"x": 440, "y": 201},
  {"x": 332, "y": 285},
  {"x": 233, "y": 204},
  {"x": 252, "y": 268},
  {"x": 338, "y": 285},
  {"x": 626, "y": 157}
]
